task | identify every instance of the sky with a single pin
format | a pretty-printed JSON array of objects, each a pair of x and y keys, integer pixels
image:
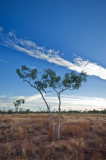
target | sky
[{"x": 63, "y": 35}]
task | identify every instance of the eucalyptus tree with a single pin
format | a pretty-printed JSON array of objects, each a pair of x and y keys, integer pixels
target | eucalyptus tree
[
  {"x": 18, "y": 103},
  {"x": 70, "y": 81},
  {"x": 49, "y": 80},
  {"x": 33, "y": 78}
]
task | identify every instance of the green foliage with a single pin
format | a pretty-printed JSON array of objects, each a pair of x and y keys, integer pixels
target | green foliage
[
  {"x": 33, "y": 73},
  {"x": 31, "y": 76},
  {"x": 25, "y": 72},
  {"x": 49, "y": 79},
  {"x": 18, "y": 103},
  {"x": 73, "y": 81},
  {"x": 10, "y": 111},
  {"x": 40, "y": 85}
]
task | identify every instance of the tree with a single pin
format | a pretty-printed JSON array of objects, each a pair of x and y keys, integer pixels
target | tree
[
  {"x": 70, "y": 81},
  {"x": 49, "y": 80},
  {"x": 31, "y": 77},
  {"x": 18, "y": 103}
]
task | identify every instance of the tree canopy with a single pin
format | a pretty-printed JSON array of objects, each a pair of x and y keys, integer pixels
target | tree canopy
[{"x": 46, "y": 80}]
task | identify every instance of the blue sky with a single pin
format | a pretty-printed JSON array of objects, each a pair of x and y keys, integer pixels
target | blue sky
[{"x": 61, "y": 34}]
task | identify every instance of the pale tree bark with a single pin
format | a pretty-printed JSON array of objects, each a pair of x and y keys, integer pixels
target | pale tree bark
[
  {"x": 49, "y": 111},
  {"x": 58, "y": 122}
]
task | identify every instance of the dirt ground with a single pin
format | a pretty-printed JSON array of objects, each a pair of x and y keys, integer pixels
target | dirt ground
[{"x": 28, "y": 137}]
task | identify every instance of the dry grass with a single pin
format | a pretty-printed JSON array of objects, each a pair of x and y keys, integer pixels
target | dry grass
[{"x": 28, "y": 137}]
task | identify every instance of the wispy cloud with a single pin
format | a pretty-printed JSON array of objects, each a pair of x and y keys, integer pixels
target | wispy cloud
[
  {"x": 2, "y": 96},
  {"x": 51, "y": 56},
  {"x": 3, "y": 61},
  {"x": 74, "y": 102},
  {"x": 33, "y": 98}
]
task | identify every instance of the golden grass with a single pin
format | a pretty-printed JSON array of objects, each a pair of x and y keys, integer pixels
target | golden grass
[{"x": 28, "y": 137}]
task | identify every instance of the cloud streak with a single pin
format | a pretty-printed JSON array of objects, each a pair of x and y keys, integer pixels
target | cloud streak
[
  {"x": 3, "y": 61},
  {"x": 74, "y": 102},
  {"x": 32, "y": 49}
]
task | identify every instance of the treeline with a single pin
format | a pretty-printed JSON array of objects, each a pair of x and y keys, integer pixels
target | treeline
[{"x": 28, "y": 111}]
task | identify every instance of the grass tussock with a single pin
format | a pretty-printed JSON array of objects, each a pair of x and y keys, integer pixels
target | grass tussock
[{"x": 29, "y": 137}]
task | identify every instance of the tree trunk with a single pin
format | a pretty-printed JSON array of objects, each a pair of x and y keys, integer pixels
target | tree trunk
[
  {"x": 58, "y": 123},
  {"x": 52, "y": 122},
  {"x": 17, "y": 110},
  {"x": 53, "y": 129},
  {"x": 58, "y": 128}
]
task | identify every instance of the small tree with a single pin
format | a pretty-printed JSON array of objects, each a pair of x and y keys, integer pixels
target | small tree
[
  {"x": 48, "y": 80},
  {"x": 18, "y": 103}
]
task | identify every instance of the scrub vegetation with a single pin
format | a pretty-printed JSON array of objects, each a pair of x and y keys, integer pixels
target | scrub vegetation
[{"x": 28, "y": 137}]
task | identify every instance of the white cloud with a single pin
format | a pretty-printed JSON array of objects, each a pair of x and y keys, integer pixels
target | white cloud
[
  {"x": 33, "y": 98},
  {"x": 90, "y": 68},
  {"x": 74, "y": 102},
  {"x": 79, "y": 102},
  {"x": 2, "y": 96},
  {"x": 51, "y": 56}
]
